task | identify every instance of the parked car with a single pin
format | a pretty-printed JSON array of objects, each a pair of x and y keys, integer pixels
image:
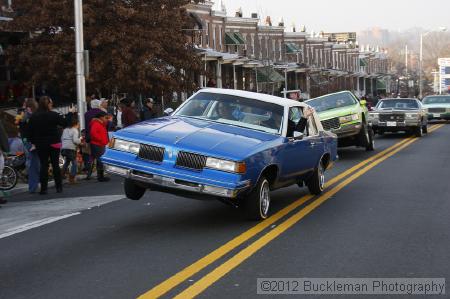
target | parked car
[
  {"x": 347, "y": 117},
  {"x": 395, "y": 115},
  {"x": 438, "y": 106},
  {"x": 236, "y": 146}
]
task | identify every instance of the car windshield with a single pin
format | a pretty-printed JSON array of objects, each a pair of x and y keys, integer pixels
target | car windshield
[
  {"x": 332, "y": 101},
  {"x": 437, "y": 100},
  {"x": 398, "y": 104},
  {"x": 233, "y": 110}
]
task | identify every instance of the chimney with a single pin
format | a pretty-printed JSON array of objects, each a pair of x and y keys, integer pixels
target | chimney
[
  {"x": 268, "y": 21},
  {"x": 293, "y": 27},
  {"x": 255, "y": 15},
  {"x": 239, "y": 12},
  {"x": 281, "y": 23}
]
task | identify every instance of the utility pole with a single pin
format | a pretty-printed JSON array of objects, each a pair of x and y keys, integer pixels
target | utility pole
[{"x": 80, "y": 62}]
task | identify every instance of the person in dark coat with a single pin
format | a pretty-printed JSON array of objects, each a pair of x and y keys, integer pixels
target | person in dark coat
[
  {"x": 148, "y": 112},
  {"x": 129, "y": 116},
  {"x": 45, "y": 135}
]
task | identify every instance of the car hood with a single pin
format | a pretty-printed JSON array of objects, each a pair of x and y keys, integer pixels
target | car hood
[
  {"x": 337, "y": 112},
  {"x": 199, "y": 136},
  {"x": 396, "y": 111},
  {"x": 441, "y": 105}
]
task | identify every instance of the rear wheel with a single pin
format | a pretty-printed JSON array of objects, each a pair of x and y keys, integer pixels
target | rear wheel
[
  {"x": 257, "y": 203},
  {"x": 132, "y": 190},
  {"x": 316, "y": 183}
]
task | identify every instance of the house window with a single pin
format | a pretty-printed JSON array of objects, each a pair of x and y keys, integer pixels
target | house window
[
  {"x": 280, "y": 45},
  {"x": 274, "y": 51},
  {"x": 253, "y": 44},
  {"x": 214, "y": 37}
]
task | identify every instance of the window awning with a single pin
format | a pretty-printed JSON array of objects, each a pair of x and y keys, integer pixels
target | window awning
[
  {"x": 292, "y": 48},
  {"x": 362, "y": 62},
  {"x": 381, "y": 85},
  {"x": 268, "y": 75},
  {"x": 234, "y": 39}
]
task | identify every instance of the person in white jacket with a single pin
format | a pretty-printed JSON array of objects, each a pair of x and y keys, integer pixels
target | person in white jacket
[{"x": 70, "y": 141}]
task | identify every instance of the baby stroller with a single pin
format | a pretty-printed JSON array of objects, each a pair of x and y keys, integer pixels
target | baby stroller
[{"x": 15, "y": 166}]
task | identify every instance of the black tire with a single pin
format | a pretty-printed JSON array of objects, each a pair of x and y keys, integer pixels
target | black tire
[
  {"x": 257, "y": 203},
  {"x": 316, "y": 183},
  {"x": 8, "y": 179},
  {"x": 132, "y": 190},
  {"x": 418, "y": 131},
  {"x": 371, "y": 145}
]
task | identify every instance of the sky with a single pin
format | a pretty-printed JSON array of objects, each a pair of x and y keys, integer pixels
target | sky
[{"x": 349, "y": 15}]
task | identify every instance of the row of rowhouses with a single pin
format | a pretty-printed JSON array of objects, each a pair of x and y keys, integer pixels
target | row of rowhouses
[{"x": 244, "y": 53}]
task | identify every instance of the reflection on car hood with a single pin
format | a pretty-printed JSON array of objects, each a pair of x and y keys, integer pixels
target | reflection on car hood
[
  {"x": 200, "y": 136},
  {"x": 438, "y": 105},
  {"x": 337, "y": 112}
]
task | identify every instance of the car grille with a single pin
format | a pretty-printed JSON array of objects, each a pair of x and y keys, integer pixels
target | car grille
[
  {"x": 436, "y": 110},
  {"x": 331, "y": 124},
  {"x": 392, "y": 117},
  {"x": 190, "y": 160},
  {"x": 151, "y": 153}
]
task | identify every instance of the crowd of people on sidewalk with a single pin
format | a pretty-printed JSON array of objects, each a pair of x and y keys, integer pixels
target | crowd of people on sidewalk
[{"x": 45, "y": 136}]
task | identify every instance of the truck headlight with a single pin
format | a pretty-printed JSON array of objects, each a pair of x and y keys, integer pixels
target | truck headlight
[
  {"x": 125, "y": 146},
  {"x": 412, "y": 115},
  {"x": 373, "y": 115},
  {"x": 348, "y": 118},
  {"x": 226, "y": 165}
]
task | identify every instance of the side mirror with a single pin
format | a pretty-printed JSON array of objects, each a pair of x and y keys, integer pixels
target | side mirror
[
  {"x": 363, "y": 102},
  {"x": 298, "y": 135},
  {"x": 168, "y": 111}
]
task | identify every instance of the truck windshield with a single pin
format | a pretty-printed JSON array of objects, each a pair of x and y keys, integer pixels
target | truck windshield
[
  {"x": 332, "y": 101},
  {"x": 233, "y": 110},
  {"x": 437, "y": 100}
]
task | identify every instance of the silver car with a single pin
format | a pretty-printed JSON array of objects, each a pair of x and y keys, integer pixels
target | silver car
[{"x": 396, "y": 115}]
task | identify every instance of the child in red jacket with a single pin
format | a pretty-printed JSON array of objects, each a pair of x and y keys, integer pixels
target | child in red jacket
[{"x": 99, "y": 140}]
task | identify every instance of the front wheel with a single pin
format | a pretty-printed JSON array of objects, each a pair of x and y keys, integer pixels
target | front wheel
[
  {"x": 316, "y": 183},
  {"x": 8, "y": 179},
  {"x": 257, "y": 203},
  {"x": 418, "y": 131},
  {"x": 132, "y": 190}
]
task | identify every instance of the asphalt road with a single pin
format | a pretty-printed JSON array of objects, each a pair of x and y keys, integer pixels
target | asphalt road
[{"x": 390, "y": 219}]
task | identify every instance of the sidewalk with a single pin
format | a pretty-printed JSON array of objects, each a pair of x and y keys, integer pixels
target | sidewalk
[{"x": 23, "y": 188}]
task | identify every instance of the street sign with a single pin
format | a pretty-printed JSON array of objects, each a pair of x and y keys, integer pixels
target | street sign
[{"x": 444, "y": 74}]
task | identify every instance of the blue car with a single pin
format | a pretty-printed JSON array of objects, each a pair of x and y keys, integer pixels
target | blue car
[{"x": 233, "y": 145}]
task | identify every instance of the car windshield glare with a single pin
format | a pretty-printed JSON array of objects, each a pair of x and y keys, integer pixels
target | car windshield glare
[
  {"x": 437, "y": 100},
  {"x": 398, "y": 104},
  {"x": 233, "y": 110},
  {"x": 332, "y": 101}
]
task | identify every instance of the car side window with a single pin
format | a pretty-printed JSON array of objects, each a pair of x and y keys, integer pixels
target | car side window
[{"x": 295, "y": 114}]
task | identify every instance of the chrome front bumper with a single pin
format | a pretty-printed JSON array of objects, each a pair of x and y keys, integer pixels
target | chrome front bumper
[{"x": 174, "y": 183}]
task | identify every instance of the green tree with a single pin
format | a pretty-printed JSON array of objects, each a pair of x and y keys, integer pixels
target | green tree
[{"x": 135, "y": 46}]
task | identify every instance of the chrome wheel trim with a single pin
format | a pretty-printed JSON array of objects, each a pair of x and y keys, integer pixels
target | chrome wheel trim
[
  {"x": 321, "y": 173},
  {"x": 264, "y": 198}
]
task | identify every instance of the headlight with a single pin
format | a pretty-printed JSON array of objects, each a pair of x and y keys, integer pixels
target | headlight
[
  {"x": 226, "y": 165},
  {"x": 349, "y": 118},
  {"x": 412, "y": 115},
  {"x": 125, "y": 146},
  {"x": 373, "y": 115}
]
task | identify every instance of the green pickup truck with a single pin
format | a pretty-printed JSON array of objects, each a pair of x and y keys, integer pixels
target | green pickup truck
[{"x": 346, "y": 116}]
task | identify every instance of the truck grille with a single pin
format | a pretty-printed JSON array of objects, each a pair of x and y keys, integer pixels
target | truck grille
[
  {"x": 331, "y": 124},
  {"x": 190, "y": 160},
  {"x": 392, "y": 117},
  {"x": 151, "y": 153},
  {"x": 436, "y": 110}
]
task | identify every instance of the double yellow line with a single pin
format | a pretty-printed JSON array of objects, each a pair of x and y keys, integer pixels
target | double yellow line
[{"x": 213, "y": 276}]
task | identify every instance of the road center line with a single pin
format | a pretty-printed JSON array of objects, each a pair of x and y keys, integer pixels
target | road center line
[
  {"x": 248, "y": 251},
  {"x": 202, "y": 263}
]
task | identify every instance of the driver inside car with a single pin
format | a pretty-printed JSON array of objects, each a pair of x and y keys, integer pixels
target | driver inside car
[{"x": 302, "y": 124}]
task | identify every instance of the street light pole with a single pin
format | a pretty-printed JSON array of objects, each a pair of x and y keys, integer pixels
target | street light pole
[{"x": 80, "y": 63}]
